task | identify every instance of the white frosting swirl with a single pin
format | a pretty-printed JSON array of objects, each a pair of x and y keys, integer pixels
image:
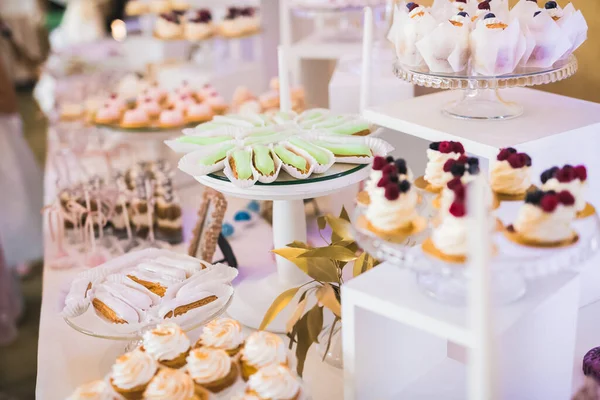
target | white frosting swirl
[
  {"x": 274, "y": 382},
  {"x": 207, "y": 365},
  {"x": 434, "y": 171},
  {"x": 535, "y": 224},
  {"x": 222, "y": 333},
  {"x": 133, "y": 370},
  {"x": 170, "y": 384},
  {"x": 508, "y": 180},
  {"x": 389, "y": 215},
  {"x": 450, "y": 237},
  {"x": 264, "y": 348},
  {"x": 96, "y": 390},
  {"x": 576, "y": 187},
  {"x": 166, "y": 342}
]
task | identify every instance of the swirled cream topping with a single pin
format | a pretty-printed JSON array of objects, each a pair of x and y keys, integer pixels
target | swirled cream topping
[
  {"x": 450, "y": 237},
  {"x": 508, "y": 180},
  {"x": 274, "y": 382},
  {"x": 264, "y": 348},
  {"x": 576, "y": 187},
  {"x": 96, "y": 390},
  {"x": 133, "y": 369},
  {"x": 166, "y": 342},
  {"x": 208, "y": 365},
  {"x": 389, "y": 215},
  {"x": 222, "y": 333},
  {"x": 170, "y": 384},
  {"x": 434, "y": 171},
  {"x": 547, "y": 227}
]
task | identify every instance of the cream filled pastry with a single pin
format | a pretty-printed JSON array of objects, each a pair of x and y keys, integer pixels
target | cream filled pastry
[
  {"x": 212, "y": 369},
  {"x": 223, "y": 333},
  {"x": 96, "y": 390},
  {"x": 510, "y": 173},
  {"x": 386, "y": 165},
  {"x": 131, "y": 373},
  {"x": 450, "y": 237},
  {"x": 262, "y": 349},
  {"x": 393, "y": 208},
  {"x": 437, "y": 155},
  {"x": 546, "y": 217},
  {"x": 274, "y": 382},
  {"x": 569, "y": 178},
  {"x": 171, "y": 384},
  {"x": 465, "y": 168},
  {"x": 168, "y": 26},
  {"x": 168, "y": 344}
]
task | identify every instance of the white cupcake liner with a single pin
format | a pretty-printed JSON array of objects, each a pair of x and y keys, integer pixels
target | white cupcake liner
[
  {"x": 573, "y": 26},
  {"x": 446, "y": 40},
  {"x": 270, "y": 178},
  {"x": 406, "y": 32},
  {"x": 241, "y": 183},
  {"x": 189, "y": 163},
  {"x": 318, "y": 168},
  {"x": 487, "y": 44},
  {"x": 542, "y": 32},
  {"x": 292, "y": 170},
  {"x": 75, "y": 308}
]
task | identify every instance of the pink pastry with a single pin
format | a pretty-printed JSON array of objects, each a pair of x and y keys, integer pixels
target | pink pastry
[
  {"x": 135, "y": 118},
  {"x": 155, "y": 93},
  {"x": 171, "y": 118},
  {"x": 183, "y": 103},
  {"x": 199, "y": 112},
  {"x": 206, "y": 90},
  {"x": 185, "y": 89},
  {"x": 151, "y": 106},
  {"x": 117, "y": 102},
  {"x": 217, "y": 102},
  {"x": 108, "y": 114}
]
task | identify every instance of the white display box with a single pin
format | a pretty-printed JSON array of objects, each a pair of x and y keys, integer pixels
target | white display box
[
  {"x": 401, "y": 344},
  {"x": 553, "y": 130}
]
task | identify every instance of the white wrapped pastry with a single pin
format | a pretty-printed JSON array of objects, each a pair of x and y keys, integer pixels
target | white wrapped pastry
[
  {"x": 446, "y": 48},
  {"x": 480, "y": 9},
  {"x": 549, "y": 43},
  {"x": 524, "y": 9},
  {"x": 496, "y": 47},
  {"x": 572, "y": 24},
  {"x": 407, "y": 30}
]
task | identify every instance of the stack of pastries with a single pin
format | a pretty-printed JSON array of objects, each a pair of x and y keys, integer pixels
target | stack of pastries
[
  {"x": 224, "y": 362},
  {"x": 485, "y": 37}
]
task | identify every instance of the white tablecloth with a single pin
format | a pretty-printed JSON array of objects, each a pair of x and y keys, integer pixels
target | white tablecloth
[{"x": 67, "y": 358}]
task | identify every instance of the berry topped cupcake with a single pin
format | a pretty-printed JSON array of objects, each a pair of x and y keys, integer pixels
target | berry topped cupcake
[
  {"x": 545, "y": 220},
  {"x": 465, "y": 168},
  {"x": 393, "y": 207},
  {"x": 510, "y": 175},
  {"x": 388, "y": 166},
  {"x": 437, "y": 154},
  {"x": 568, "y": 178}
]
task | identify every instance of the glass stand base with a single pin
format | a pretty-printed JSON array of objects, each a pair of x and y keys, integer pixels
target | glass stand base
[
  {"x": 483, "y": 104},
  {"x": 507, "y": 287}
]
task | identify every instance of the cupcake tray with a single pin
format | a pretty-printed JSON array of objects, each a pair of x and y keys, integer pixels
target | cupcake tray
[{"x": 512, "y": 266}]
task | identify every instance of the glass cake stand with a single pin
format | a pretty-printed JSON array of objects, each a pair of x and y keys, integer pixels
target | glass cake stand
[
  {"x": 481, "y": 99},
  {"x": 512, "y": 266}
]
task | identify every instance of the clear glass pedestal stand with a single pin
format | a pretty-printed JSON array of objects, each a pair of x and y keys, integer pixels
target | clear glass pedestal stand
[{"x": 481, "y": 99}]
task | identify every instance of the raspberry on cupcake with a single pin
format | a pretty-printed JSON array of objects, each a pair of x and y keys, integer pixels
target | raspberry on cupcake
[
  {"x": 510, "y": 175},
  {"x": 397, "y": 170},
  {"x": 570, "y": 178},
  {"x": 438, "y": 154},
  {"x": 545, "y": 219}
]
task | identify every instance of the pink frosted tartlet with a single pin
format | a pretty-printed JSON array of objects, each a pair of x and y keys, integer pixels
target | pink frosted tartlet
[
  {"x": 183, "y": 103},
  {"x": 199, "y": 112},
  {"x": 151, "y": 107},
  {"x": 108, "y": 114},
  {"x": 216, "y": 102},
  {"x": 135, "y": 118},
  {"x": 171, "y": 118}
]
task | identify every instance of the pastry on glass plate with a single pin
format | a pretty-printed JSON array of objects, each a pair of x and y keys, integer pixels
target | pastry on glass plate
[
  {"x": 545, "y": 220},
  {"x": 260, "y": 350},
  {"x": 510, "y": 177},
  {"x": 135, "y": 118},
  {"x": 222, "y": 333},
  {"x": 212, "y": 369},
  {"x": 437, "y": 154},
  {"x": 131, "y": 374},
  {"x": 167, "y": 344},
  {"x": 572, "y": 179}
]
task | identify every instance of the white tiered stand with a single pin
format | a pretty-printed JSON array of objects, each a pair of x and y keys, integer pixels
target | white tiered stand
[{"x": 398, "y": 343}]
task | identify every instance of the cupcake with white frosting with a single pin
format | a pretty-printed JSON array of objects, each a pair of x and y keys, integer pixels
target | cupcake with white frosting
[
  {"x": 212, "y": 369},
  {"x": 510, "y": 173},
  {"x": 394, "y": 207},
  {"x": 260, "y": 350},
  {"x": 437, "y": 154},
  {"x": 569, "y": 178},
  {"x": 96, "y": 390},
  {"x": 131, "y": 374},
  {"x": 167, "y": 344},
  {"x": 172, "y": 384},
  {"x": 223, "y": 333},
  {"x": 274, "y": 382},
  {"x": 450, "y": 237}
]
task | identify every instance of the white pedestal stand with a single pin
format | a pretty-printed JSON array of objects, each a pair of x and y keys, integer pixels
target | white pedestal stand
[{"x": 253, "y": 297}]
